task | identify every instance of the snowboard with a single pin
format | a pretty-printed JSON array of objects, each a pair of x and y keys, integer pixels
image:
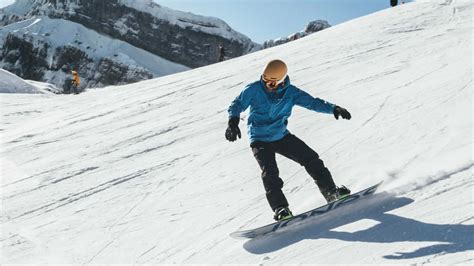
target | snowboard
[{"x": 298, "y": 219}]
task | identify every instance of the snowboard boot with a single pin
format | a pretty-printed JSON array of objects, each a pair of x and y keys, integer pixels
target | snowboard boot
[
  {"x": 282, "y": 213},
  {"x": 336, "y": 194}
]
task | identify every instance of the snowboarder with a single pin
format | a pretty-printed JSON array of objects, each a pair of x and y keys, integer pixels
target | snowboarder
[
  {"x": 270, "y": 100},
  {"x": 221, "y": 53},
  {"x": 75, "y": 82}
]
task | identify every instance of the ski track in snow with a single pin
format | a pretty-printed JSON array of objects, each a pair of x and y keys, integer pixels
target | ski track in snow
[{"x": 142, "y": 173}]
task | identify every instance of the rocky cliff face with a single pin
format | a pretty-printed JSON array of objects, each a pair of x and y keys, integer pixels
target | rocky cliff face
[
  {"x": 23, "y": 58},
  {"x": 35, "y": 60},
  {"x": 177, "y": 40},
  {"x": 312, "y": 27},
  {"x": 47, "y": 50}
]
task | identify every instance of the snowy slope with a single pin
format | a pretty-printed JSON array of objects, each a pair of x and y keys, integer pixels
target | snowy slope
[
  {"x": 11, "y": 83},
  {"x": 44, "y": 86},
  {"x": 142, "y": 173}
]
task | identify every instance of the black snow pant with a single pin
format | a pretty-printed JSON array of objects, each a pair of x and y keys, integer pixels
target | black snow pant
[{"x": 295, "y": 149}]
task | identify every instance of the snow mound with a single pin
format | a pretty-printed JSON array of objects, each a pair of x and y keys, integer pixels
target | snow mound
[{"x": 11, "y": 83}]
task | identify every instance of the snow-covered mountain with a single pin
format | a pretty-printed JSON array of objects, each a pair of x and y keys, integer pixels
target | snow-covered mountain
[
  {"x": 142, "y": 173},
  {"x": 312, "y": 27},
  {"x": 109, "y": 42},
  {"x": 42, "y": 48}
]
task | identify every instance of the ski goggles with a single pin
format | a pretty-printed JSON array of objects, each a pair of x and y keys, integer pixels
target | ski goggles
[{"x": 272, "y": 82}]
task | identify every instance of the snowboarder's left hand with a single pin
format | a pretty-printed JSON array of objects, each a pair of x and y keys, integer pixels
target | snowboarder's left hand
[
  {"x": 339, "y": 111},
  {"x": 233, "y": 130}
]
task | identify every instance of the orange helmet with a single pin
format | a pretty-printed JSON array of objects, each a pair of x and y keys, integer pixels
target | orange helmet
[
  {"x": 274, "y": 74},
  {"x": 275, "y": 71}
]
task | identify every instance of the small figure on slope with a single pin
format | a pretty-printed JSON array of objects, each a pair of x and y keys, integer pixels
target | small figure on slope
[
  {"x": 221, "y": 53},
  {"x": 75, "y": 82}
]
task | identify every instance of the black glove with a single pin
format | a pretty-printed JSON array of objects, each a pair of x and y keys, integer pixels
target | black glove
[
  {"x": 339, "y": 111},
  {"x": 233, "y": 130}
]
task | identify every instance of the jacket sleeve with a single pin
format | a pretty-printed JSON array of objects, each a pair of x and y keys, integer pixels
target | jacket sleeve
[
  {"x": 303, "y": 99},
  {"x": 241, "y": 102}
]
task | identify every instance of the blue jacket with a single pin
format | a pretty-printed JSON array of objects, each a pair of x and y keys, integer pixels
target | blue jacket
[{"x": 269, "y": 111}]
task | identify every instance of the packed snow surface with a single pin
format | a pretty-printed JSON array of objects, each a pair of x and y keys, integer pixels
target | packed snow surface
[{"x": 142, "y": 173}]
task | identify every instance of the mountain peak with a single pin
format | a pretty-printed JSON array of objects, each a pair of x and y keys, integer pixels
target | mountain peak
[{"x": 181, "y": 38}]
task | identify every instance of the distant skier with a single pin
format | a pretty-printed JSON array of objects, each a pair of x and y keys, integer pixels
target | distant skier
[
  {"x": 271, "y": 100},
  {"x": 76, "y": 82},
  {"x": 221, "y": 53},
  {"x": 393, "y": 2}
]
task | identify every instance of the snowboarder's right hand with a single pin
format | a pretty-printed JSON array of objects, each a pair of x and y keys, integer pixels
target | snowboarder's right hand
[{"x": 233, "y": 130}]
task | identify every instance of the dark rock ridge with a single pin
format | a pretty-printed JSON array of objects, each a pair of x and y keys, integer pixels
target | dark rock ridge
[{"x": 312, "y": 27}]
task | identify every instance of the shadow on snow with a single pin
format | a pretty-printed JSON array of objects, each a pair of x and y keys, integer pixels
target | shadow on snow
[{"x": 390, "y": 229}]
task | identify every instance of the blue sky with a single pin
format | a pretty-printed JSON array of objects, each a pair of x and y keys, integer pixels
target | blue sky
[{"x": 270, "y": 19}]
